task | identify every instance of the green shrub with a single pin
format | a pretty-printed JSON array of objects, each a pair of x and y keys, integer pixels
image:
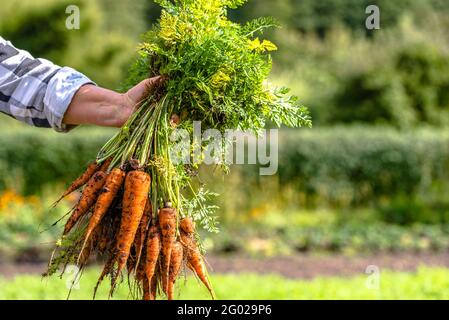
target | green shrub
[
  {"x": 339, "y": 167},
  {"x": 359, "y": 166},
  {"x": 102, "y": 47},
  {"x": 32, "y": 158},
  {"x": 355, "y": 234},
  {"x": 406, "y": 210},
  {"x": 321, "y": 16},
  {"x": 399, "y": 76},
  {"x": 26, "y": 227},
  {"x": 412, "y": 89},
  {"x": 345, "y": 167}
]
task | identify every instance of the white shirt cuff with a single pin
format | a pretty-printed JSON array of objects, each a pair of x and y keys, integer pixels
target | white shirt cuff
[{"x": 60, "y": 91}]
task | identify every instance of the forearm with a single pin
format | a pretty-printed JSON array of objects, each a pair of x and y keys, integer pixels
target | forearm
[
  {"x": 97, "y": 106},
  {"x": 103, "y": 107},
  {"x": 36, "y": 91},
  {"x": 42, "y": 94}
]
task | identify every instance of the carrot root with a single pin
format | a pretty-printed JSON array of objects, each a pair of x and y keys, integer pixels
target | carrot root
[
  {"x": 87, "y": 199},
  {"x": 167, "y": 223},
  {"x": 137, "y": 185}
]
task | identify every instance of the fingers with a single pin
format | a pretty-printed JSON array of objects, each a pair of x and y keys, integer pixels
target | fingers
[
  {"x": 152, "y": 82},
  {"x": 142, "y": 89},
  {"x": 137, "y": 94}
]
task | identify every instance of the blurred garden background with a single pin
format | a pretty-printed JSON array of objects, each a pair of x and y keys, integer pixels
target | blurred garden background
[{"x": 367, "y": 186}]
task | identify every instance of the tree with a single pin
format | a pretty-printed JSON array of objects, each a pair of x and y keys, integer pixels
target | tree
[{"x": 102, "y": 47}]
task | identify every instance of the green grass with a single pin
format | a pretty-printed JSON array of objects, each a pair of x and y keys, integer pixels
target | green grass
[{"x": 426, "y": 283}]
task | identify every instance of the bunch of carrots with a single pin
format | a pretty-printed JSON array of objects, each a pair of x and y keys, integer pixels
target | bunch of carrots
[
  {"x": 139, "y": 207},
  {"x": 114, "y": 219}
]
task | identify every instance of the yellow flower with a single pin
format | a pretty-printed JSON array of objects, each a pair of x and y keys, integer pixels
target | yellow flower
[
  {"x": 147, "y": 47},
  {"x": 254, "y": 44},
  {"x": 168, "y": 26},
  {"x": 268, "y": 45},
  {"x": 204, "y": 8},
  {"x": 263, "y": 46}
]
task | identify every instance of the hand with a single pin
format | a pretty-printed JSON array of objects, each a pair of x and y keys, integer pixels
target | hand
[
  {"x": 103, "y": 107},
  {"x": 133, "y": 98}
]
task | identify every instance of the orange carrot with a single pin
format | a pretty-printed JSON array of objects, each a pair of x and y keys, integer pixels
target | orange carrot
[
  {"x": 107, "y": 194},
  {"x": 105, "y": 165},
  {"x": 139, "y": 241},
  {"x": 87, "y": 199},
  {"x": 195, "y": 260},
  {"x": 80, "y": 181},
  {"x": 140, "y": 273},
  {"x": 167, "y": 223},
  {"x": 137, "y": 185},
  {"x": 175, "y": 267},
  {"x": 153, "y": 251},
  {"x": 187, "y": 225}
]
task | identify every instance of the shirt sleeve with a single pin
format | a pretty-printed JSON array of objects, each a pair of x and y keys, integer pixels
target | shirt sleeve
[{"x": 36, "y": 91}]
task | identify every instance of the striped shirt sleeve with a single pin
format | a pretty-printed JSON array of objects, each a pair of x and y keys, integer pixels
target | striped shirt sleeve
[{"x": 36, "y": 91}]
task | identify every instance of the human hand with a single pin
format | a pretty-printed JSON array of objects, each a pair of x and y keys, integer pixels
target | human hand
[
  {"x": 133, "y": 98},
  {"x": 103, "y": 107}
]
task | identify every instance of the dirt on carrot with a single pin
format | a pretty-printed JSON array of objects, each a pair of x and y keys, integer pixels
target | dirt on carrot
[
  {"x": 81, "y": 180},
  {"x": 107, "y": 195},
  {"x": 137, "y": 185},
  {"x": 167, "y": 223},
  {"x": 140, "y": 238},
  {"x": 195, "y": 260},
  {"x": 105, "y": 165},
  {"x": 88, "y": 198},
  {"x": 187, "y": 225},
  {"x": 153, "y": 250},
  {"x": 175, "y": 267}
]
